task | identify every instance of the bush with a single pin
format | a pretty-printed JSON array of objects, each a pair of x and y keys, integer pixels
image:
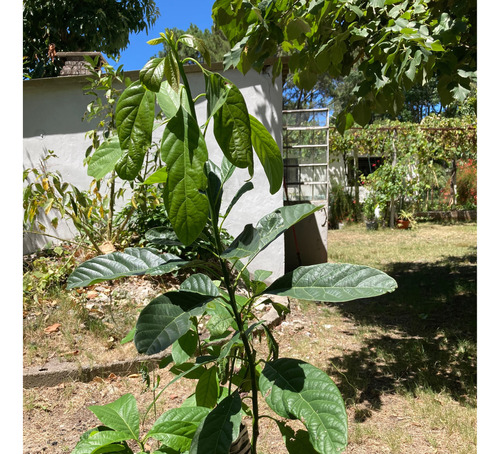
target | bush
[
  {"x": 467, "y": 183},
  {"x": 342, "y": 205}
]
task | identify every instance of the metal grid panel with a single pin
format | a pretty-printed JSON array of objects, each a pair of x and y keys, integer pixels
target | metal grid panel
[{"x": 305, "y": 150}]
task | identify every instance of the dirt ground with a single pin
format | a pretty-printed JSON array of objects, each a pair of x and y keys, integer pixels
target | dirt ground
[{"x": 55, "y": 417}]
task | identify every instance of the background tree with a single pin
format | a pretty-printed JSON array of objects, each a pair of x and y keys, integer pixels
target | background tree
[
  {"x": 215, "y": 41},
  {"x": 75, "y": 25},
  {"x": 395, "y": 44}
]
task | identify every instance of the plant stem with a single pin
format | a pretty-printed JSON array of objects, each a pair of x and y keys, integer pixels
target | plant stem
[{"x": 246, "y": 344}]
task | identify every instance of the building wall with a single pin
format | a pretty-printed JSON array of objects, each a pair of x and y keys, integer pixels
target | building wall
[{"x": 53, "y": 110}]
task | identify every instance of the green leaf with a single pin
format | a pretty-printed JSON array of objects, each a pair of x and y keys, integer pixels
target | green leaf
[
  {"x": 135, "y": 113},
  {"x": 253, "y": 240},
  {"x": 104, "y": 159},
  {"x": 219, "y": 429},
  {"x": 201, "y": 284},
  {"x": 166, "y": 319},
  {"x": 95, "y": 442},
  {"x": 176, "y": 427},
  {"x": 232, "y": 130},
  {"x": 197, "y": 44},
  {"x": 172, "y": 72},
  {"x": 297, "y": 390},
  {"x": 160, "y": 176},
  {"x": 268, "y": 153},
  {"x": 155, "y": 41},
  {"x": 121, "y": 415},
  {"x": 131, "y": 262},
  {"x": 162, "y": 236},
  {"x": 220, "y": 319},
  {"x": 297, "y": 27},
  {"x": 184, "y": 151},
  {"x": 333, "y": 282},
  {"x": 185, "y": 347},
  {"x": 168, "y": 99},
  {"x": 151, "y": 75},
  {"x": 217, "y": 89},
  {"x": 344, "y": 121},
  {"x": 207, "y": 388},
  {"x": 129, "y": 337},
  {"x": 248, "y": 186}
]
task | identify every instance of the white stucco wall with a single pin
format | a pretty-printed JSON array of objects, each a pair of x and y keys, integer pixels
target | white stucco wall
[{"x": 53, "y": 111}]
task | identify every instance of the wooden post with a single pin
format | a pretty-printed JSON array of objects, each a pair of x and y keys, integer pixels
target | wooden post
[
  {"x": 394, "y": 162},
  {"x": 356, "y": 184}
]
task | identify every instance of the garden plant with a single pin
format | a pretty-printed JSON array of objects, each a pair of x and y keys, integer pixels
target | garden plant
[{"x": 228, "y": 370}]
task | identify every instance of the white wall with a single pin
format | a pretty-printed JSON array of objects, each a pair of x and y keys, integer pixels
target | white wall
[{"x": 53, "y": 111}]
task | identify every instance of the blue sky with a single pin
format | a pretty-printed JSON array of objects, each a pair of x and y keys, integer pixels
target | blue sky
[{"x": 173, "y": 13}]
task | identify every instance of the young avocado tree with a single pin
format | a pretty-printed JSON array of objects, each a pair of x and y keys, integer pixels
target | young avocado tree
[{"x": 230, "y": 375}]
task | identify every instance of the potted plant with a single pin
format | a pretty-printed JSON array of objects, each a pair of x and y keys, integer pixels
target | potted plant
[
  {"x": 406, "y": 220},
  {"x": 223, "y": 293},
  {"x": 369, "y": 212}
]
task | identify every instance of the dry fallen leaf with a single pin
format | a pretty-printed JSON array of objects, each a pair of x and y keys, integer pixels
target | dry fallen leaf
[{"x": 52, "y": 328}]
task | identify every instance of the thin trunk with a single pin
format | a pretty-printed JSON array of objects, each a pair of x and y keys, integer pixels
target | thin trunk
[{"x": 394, "y": 162}]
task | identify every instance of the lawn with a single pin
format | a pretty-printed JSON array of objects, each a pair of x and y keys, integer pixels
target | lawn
[{"x": 404, "y": 362}]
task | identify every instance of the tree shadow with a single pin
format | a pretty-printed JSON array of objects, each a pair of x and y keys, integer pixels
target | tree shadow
[{"x": 422, "y": 336}]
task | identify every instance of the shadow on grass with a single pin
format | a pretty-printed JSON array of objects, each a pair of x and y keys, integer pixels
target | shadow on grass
[{"x": 422, "y": 336}]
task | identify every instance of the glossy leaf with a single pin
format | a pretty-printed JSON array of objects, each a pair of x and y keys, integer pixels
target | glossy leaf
[
  {"x": 168, "y": 99},
  {"x": 201, "y": 284},
  {"x": 268, "y": 153},
  {"x": 232, "y": 130},
  {"x": 297, "y": 390},
  {"x": 172, "y": 72},
  {"x": 219, "y": 429},
  {"x": 134, "y": 123},
  {"x": 151, "y": 75},
  {"x": 121, "y": 415},
  {"x": 217, "y": 89},
  {"x": 131, "y": 262},
  {"x": 197, "y": 44},
  {"x": 104, "y": 159},
  {"x": 255, "y": 239},
  {"x": 185, "y": 347},
  {"x": 166, "y": 319},
  {"x": 207, "y": 388},
  {"x": 176, "y": 427},
  {"x": 162, "y": 236},
  {"x": 95, "y": 442},
  {"x": 333, "y": 282},
  {"x": 160, "y": 176},
  {"x": 248, "y": 186},
  {"x": 184, "y": 152}
]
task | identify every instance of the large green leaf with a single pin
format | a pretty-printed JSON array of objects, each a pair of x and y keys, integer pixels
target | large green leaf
[
  {"x": 232, "y": 130},
  {"x": 254, "y": 239},
  {"x": 166, "y": 319},
  {"x": 121, "y": 415},
  {"x": 333, "y": 282},
  {"x": 184, "y": 151},
  {"x": 177, "y": 426},
  {"x": 135, "y": 112},
  {"x": 162, "y": 236},
  {"x": 104, "y": 159},
  {"x": 219, "y": 429},
  {"x": 151, "y": 75},
  {"x": 297, "y": 390},
  {"x": 268, "y": 153},
  {"x": 131, "y": 262}
]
